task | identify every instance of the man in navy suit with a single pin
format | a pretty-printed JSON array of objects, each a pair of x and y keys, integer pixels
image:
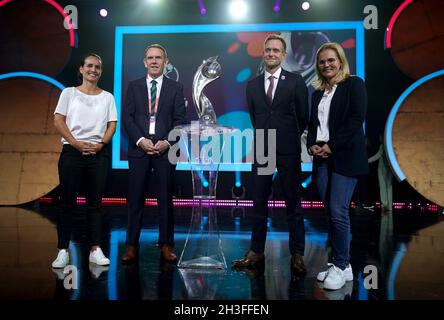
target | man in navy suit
[
  {"x": 278, "y": 100},
  {"x": 154, "y": 105}
]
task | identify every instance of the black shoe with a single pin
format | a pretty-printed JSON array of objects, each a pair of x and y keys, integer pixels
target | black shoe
[
  {"x": 251, "y": 260},
  {"x": 297, "y": 264}
]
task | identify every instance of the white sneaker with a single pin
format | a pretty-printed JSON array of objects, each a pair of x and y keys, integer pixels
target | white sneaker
[
  {"x": 98, "y": 257},
  {"x": 62, "y": 259},
  {"x": 348, "y": 273},
  {"x": 335, "y": 279}
]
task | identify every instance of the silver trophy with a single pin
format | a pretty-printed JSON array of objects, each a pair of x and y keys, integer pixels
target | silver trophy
[
  {"x": 203, "y": 246},
  {"x": 208, "y": 71}
]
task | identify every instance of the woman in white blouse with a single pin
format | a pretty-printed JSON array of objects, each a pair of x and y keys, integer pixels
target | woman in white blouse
[
  {"x": 86, "y": 118},
  {"x": 336, "y": 141}
]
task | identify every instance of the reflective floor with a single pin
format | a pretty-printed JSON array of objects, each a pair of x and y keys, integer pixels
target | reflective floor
[{"x": 395, "y": 256}]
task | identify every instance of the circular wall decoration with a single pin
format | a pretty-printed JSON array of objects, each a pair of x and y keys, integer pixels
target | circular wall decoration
[
  {"x": 415, "y": 137},
  {"x": 415, "y": 35},
  {"x": 29, "y": 143},
  {"x": 36, "y": 39}
]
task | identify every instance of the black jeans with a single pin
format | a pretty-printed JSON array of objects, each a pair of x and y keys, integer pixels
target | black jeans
[{"x": 73, "y": 168}]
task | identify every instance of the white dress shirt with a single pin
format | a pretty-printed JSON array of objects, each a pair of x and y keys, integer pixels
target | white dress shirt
[
  {"x": 159, "y": 81},
  {"x": 323, "y": 133},
  {"x": 276, "y": 76}
]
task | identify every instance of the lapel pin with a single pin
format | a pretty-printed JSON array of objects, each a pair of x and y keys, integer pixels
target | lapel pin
[{"x": 282, "y": 77}]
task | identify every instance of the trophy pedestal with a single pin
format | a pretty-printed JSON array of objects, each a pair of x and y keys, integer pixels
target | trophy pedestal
[{"x": 203, "y": 248}]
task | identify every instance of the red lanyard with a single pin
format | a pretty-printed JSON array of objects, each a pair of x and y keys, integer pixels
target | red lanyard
[{"x": 155, "y": 106}]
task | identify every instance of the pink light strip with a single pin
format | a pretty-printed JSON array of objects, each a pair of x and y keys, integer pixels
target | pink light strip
[
  {"x": 388, "y": 38},
  {"x": 62, "y": 12},
  {"x": 242, "y": 203}
]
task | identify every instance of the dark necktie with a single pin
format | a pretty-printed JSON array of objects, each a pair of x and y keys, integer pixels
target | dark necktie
[
  {"x": 153, "y": 93},
  {"x": 270, "y": 90}
]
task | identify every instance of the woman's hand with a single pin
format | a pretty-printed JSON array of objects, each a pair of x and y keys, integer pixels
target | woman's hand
[
  {"x": 325, "y": 151},
  {"x": 321, "y": 152},
  {"x": 87, "y": 148},
  {"x": 315, "y": 149}
]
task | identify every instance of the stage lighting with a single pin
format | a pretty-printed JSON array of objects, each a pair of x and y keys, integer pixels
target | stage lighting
[
  {"x": 277, "y": 6},
  {"x": 238, "y": 9},
  {"x": 202, "y": 8},
  {"x": 103, "y": 12},
  {"x": 306, "y": 5}
]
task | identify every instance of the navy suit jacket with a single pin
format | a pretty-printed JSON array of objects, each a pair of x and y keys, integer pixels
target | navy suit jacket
[
  {"x": 345, "y": 124},
  {"x": 288, "y": 113},
  {"x": 171, "y": 112}
]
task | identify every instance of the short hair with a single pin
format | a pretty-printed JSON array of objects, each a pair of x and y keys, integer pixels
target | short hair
[
  {"x": 158, "y": 46},
  {"x": 344, "y": 71},
  {"x": 276, "y": 37}
]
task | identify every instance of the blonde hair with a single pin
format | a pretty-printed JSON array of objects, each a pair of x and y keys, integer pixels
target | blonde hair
[{"x": 344, "y": 70}]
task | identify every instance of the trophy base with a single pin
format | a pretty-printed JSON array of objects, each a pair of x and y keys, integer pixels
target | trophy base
[{"x": 203, "y": 263}]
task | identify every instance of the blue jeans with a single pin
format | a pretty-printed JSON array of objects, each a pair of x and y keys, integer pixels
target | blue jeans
[{"x": 336, "y": 191}]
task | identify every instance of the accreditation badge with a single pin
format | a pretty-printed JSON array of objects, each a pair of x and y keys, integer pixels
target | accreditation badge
[{"x": 152, "y": 127}]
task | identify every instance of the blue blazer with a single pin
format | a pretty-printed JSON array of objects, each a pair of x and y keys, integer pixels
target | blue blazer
[
  {"x": 288, "y": 113},
  {"x": 345, "y": 123},
  {"x": 171, "y": 112}
]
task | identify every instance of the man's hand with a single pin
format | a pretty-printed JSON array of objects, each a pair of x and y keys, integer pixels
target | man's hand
[
  {"x": 148, "y": 146},
  {"x": 161, "y": 146}
]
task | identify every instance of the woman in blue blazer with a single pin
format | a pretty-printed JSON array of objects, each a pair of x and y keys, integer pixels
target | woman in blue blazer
[{"x": 336, "y": 141}]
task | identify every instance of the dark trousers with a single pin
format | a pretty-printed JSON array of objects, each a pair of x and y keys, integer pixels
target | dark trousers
[
  {"x": 336, "y": 191},
  {"x": 141, "y": 170},
  {"x": 73, "y": 169},
  {"x": 289, "y": 170}
]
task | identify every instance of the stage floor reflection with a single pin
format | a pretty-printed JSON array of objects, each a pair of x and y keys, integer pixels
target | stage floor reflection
[{"x": 395, "y": 256}]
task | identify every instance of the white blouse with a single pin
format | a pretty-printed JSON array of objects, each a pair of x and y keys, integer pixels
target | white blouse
[
  {"x": 323, "y": 114},
  {"x": 86, "y": 115}
]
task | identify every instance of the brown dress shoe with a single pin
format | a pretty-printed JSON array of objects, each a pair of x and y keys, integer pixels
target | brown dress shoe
[
  {"x": 251, "y": 260},
  {"x": 167, "y": 254},
  {"x": 297, "y": 264},
  {"x": 130, "y": 255}
]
